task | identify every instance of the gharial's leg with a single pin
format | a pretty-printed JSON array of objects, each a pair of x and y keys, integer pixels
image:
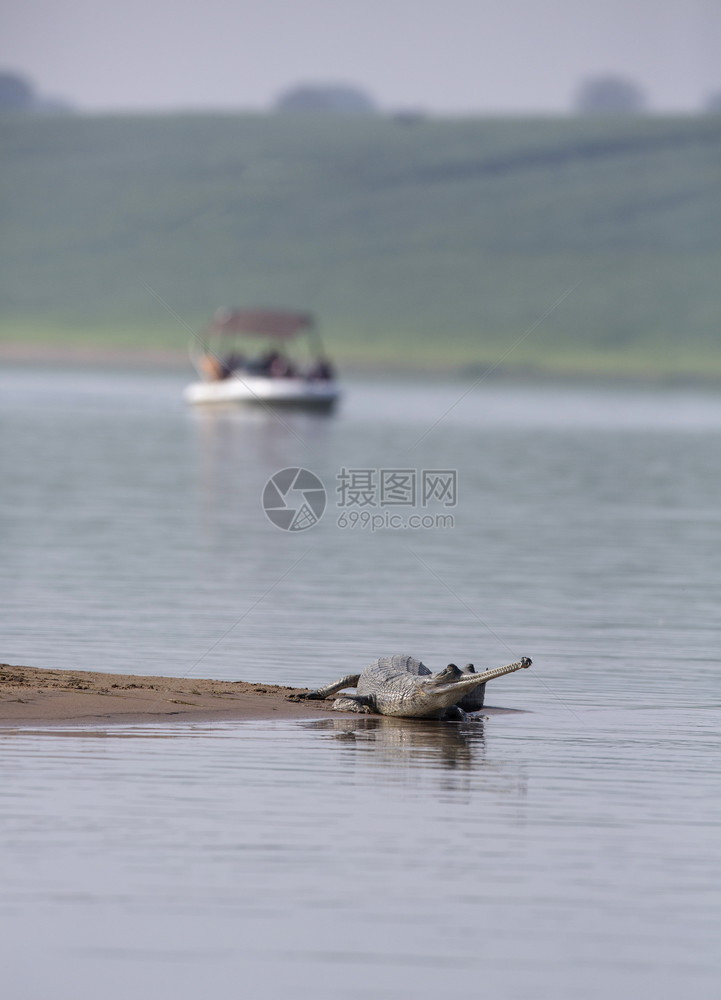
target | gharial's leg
[
  {"x": 353, "y": 703},
  {"x": 457, "y": 714},
  {"x": 349, "y": 681},
  {"x": 454, "y": 713}
]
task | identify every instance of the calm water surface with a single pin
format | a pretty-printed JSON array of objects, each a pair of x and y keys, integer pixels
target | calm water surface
[{"x": 566, "y": 849}]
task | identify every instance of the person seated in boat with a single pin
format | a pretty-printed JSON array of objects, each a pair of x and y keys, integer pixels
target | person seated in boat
[
  {"x": 273, "y": 364},
  {"x": 233, "y": 362},
  {"x": 281, "y": 367},
  {"x": 212, "y": 368},
  {"x": 263, "y": 364},
  {"x": 322, "y": 370}
]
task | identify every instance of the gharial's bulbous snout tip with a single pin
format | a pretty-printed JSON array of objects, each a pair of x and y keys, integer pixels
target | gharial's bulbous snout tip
[{"x": 526, "y": 661}]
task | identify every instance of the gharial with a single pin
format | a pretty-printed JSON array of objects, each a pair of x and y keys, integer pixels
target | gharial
[{"x": 404, "y": 687}]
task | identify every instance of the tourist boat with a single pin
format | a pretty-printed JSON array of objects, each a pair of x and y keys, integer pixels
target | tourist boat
[{"x": 231, "y": 373}]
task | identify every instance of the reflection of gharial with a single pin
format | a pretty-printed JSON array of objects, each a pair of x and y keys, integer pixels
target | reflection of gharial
[
  {"x": 403, "y": 686},
  {"x": 407, "y": 741}
]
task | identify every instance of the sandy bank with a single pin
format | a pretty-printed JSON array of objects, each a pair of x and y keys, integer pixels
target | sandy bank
[{"x": 34, "y": 696}]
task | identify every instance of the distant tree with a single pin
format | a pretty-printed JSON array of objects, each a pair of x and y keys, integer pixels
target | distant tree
[
  {"x": 609, "y": 95},
  {"x": 16, "y": 93},
  {"x": 712, "y": 104},
  {"x": 326, "y": 97}
]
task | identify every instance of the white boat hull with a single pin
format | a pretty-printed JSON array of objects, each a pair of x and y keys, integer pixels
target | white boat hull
[{"x": 257, "y": 390}]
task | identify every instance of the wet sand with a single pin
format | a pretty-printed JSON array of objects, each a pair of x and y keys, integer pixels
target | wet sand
[{"x": 35, "y": 696}]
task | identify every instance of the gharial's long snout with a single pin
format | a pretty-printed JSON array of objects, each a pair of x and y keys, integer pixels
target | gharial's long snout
[{"x": 469, "y": 681}]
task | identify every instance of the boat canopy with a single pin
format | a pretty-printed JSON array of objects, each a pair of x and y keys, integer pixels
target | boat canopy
[{"x": 278, "y": 323}]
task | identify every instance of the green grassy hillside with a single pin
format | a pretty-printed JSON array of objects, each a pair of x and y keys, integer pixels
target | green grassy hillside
[{"x": 567, "y": 245}]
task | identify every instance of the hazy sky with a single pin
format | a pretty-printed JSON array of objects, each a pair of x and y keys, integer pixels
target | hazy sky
[{"x": 454, "y": 56}]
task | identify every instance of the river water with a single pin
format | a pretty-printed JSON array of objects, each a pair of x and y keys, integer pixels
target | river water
[{"x": 567, "y": 848}]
